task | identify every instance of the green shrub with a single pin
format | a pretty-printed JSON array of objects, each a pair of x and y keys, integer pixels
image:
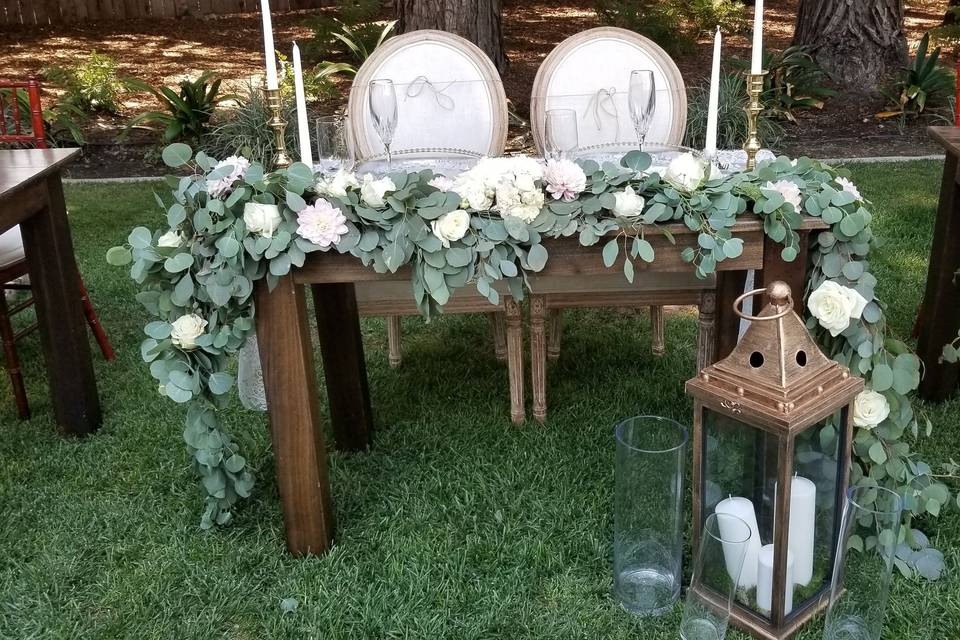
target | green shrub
[
  {"x": 91, "y": 85},
  {"x": 925, "y": 85},
  {"x": 673, "y": 24},
  {"x": 243, "y": 129},
  {"x": 61, "y": 122},
  {"x": 187, "y": 112},
  {"x": 731, "y": 117},
  {"x": 794, "y": 80}
]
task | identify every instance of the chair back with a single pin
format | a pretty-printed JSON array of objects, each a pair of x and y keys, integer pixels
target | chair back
[
  {"x": 19, "y": 104},
  {"x": 449, "y": 96},
  {"x": 590, "y": 73}
]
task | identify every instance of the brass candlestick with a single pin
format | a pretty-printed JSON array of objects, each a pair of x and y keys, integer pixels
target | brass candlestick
[
  {"x": 275, "y": 103},
  {"x": 754, "y": 90}
]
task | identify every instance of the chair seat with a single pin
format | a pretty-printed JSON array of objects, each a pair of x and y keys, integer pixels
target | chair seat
[{"x": 11, "y": 247}]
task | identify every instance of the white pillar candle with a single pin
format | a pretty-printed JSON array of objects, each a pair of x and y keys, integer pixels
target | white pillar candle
[
  {"x": 765, "y": 581},
  {"x": 710, "y": 148},
  {"x": 743, "y": 509},
  {"x": 756, "y": 65},
  {"x": 803, "y": 514},
  {"x": 303, "y": 125},
  {"x": 268, "y": 49}
]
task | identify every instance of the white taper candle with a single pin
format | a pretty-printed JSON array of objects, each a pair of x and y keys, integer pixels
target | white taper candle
[
  {"x": 268, "y": 50},
  {"x": 713, "y": 105},
  {"x": 756, "y": 65},
  {"x": 303, "y": 125}
]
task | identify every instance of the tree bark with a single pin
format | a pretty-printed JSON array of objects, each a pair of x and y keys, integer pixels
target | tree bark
[
  {"x": 479, "y": 21},
  {"x": 858, "y": 42}
]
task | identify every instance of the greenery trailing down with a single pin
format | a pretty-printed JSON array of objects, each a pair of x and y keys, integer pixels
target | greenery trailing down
[
  {"x": 731, "y": 117},
  {"x": 231, "y": 225}
]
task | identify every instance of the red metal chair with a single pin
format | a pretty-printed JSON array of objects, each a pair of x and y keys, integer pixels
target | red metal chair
[{"x": 13, "y": 264}]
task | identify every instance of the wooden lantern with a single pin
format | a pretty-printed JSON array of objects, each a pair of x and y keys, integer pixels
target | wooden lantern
[{"x": 771, "y": 444}]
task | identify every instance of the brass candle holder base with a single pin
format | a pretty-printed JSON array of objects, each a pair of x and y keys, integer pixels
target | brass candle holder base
[
  {"x": 753, "y": 109},
  {"x": 275, "y": 103}
]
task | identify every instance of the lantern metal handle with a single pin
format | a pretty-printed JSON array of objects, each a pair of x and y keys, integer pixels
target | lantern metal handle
[{"x": 782, "y": 290}]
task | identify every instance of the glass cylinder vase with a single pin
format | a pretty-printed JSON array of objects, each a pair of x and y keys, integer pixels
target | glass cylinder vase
[
  {"x": 648, "y": 513},
  {"x": 861, "y": 577},
  {"x": 723, "y": 547}
]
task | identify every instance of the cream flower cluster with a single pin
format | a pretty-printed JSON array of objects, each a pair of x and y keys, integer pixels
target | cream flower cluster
[{"x": 505, "y": 185}]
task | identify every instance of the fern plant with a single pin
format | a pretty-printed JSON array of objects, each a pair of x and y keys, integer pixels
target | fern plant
[
  {"x": 91, "y": 85},
  {"x": 188, "y": 112}
]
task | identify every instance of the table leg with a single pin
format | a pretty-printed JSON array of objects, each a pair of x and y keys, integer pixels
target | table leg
[
  {"x": 538, "y": 356},
  {"x": 341, "y": 345},
  {"x": 729, "y": 286},
  {"x": 286, "y": 355},
  {"x": 938, "y": 318},
  {"x": 63, "y": 329},
  {"x": 518, "y": 412}
]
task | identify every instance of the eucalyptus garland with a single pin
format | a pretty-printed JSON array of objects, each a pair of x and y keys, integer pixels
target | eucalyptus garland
[{"x": 230, "y": 224}]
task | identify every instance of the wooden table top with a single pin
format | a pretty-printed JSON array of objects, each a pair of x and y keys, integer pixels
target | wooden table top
[
  {"x": 949, "y": 137},
  {"x": 20, "y": 167}
]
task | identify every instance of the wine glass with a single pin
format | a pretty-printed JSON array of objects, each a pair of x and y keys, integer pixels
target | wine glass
[
  {"x": 561, "y": 133},
  {"x": 643, "y": 102},
  {"x": 383, "y": 108},
  {"x": 333, "y": 152}
]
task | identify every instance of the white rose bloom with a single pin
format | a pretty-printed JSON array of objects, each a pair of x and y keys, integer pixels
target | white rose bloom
[
  {"x": 789, "y": 190},
  {"x": 338, "y": 184},
  {"x": 870, "y": 409},
  {"x": 262, "y": 219},
  {"x": 686, "y": 172},
  {"x": 834, "y": 305},
  {"x": 186, "y": 329},
  {"x": 172, "y": 239},
  {"x": 849, "y": 187},
  {"x": 628, "y": 205},
  {"x": 373, "y": 191},
  {"x": 451, "y": 227}
]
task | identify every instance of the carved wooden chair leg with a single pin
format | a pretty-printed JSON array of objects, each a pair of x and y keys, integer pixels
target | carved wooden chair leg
[
  {"x": 393, "y": 341},
  {"x": 538, "y": 356},
  {"x": 514, "y": 323},
  {"x": 706, "y": 330},
  {"x": 11, "y": 361},
  {"x": 656, "y": 329},
  {"x": 499, "y": 323},
  {"x": 554, "y": 333},
  {"x": 94, "y": 322}
]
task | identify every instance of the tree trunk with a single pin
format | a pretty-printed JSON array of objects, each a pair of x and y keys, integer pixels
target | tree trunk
[
  {"x": 858, "y": 42},
  {"x": 476, "y": 20}
]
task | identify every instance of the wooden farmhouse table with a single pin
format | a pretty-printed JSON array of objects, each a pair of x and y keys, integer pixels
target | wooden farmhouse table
[
  {"x": 31, "y": 195},
  {"x": 288, "y": 367}
]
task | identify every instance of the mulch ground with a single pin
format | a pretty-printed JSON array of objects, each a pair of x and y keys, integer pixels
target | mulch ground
[{"x": 167, "y": 51}]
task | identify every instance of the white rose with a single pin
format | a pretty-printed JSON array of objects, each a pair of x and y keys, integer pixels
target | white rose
[
  {"x": 186, "y": 329},
  {"x": 372, "y": 191},
  {"x": 627, "y": 204},
  {"x": 849, "y": 187},
  {"x": 870, "y": 409},
  {"x": 834, "y": 305},
  {"x": 172, "y": 239},
  {"x": 452, "y": 226},
  {"x": 789, "y": 190},
  {"x": 337, "y": 185},
  {"x": 262, "y": 219},
  {"x": 525, "y": 182},
  {"x": 686, "y": 172}
]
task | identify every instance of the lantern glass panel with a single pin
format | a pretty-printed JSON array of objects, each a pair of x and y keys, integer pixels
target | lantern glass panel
[{"x": 740, "y": 467}]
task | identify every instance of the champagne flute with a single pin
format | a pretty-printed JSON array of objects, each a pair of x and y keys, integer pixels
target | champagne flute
[
  {"x": 643, "y": 102},
  {"x": 383, "y": 109},
  {"x": 561, "y": 133}
]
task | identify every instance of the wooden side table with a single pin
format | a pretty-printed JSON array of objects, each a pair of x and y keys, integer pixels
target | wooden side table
[{"x": 939, "y": 320}]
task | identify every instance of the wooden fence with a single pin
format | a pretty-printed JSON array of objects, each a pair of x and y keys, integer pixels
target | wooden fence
[{"x": 14, "y": 12}]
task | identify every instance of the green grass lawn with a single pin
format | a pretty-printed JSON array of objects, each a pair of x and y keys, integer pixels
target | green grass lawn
[{"x": 455, "y": 525}]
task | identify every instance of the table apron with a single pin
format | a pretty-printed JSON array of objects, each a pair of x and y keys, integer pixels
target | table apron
[{"x": 28, "y": 202}]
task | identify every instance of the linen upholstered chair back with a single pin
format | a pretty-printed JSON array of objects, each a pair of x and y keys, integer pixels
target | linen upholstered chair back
[
  {"x": 590, "y": 73},
  {"x": 449, "y": 97}
]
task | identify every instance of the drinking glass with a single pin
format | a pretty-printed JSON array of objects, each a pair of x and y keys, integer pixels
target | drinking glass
[
  {"x": 383, "y": 109},
  {"x": 648, "y": 513},
  {"x": 723, "y": 547},
  {"x": 333, "y": 151},
  {"x": 642, "y": 98},
  {"x": 861, "y": 579},
  {"x": 561, "y": 132}
]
